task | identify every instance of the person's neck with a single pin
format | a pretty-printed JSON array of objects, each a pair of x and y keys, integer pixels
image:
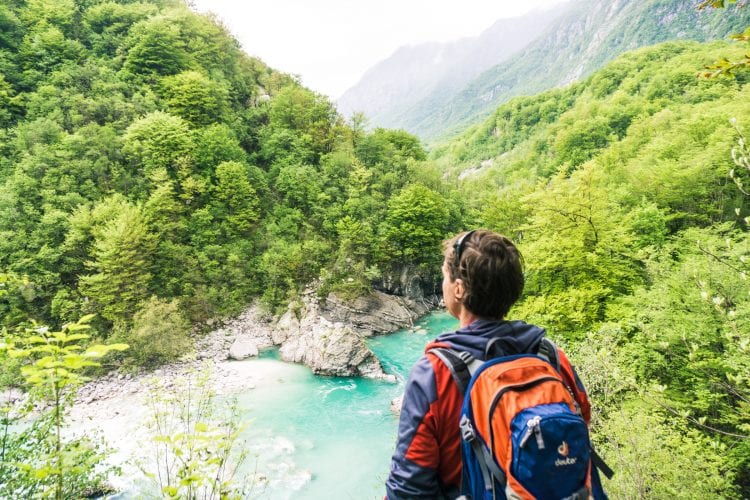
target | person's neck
[{"x": 466, "y": 317}]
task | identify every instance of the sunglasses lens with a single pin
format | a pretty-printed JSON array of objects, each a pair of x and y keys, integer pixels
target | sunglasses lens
[{"x": 458, "y": 248}]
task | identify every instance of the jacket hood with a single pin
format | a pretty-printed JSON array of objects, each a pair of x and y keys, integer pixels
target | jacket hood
[{"x": 514, "y": 337}]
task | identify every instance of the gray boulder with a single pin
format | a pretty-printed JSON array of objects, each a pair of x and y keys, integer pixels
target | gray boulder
[
  {"x": 243, "y": 348},
  {"x": 327, "y": 348}
]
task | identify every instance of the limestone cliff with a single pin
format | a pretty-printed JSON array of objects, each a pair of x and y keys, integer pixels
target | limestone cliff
[
  {"x": 326, "y": 335},
  {"x": 375, "y": 313}
]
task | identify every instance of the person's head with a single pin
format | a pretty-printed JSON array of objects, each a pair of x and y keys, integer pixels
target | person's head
[{"x": 483, "y": 271}]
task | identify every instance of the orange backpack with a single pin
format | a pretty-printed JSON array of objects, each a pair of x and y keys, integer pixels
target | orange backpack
[{"x": 522, "y": 430}]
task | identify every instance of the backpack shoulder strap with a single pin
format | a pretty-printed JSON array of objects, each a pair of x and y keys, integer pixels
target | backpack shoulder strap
[
  {"x": 548, "y": 350},
  {"x": 461, "y": 364}
]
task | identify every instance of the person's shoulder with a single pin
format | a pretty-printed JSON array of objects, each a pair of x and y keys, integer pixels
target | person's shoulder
[
  {"x": 429, "y": 366},
  {"x": 423, "y": 368}
]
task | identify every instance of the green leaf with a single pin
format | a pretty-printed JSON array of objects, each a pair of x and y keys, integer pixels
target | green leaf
[
  {"x": 170, "y": 491},
  {"x": 41, "y": 473},
  {"x": 86, "y": 319},
  {"x": 78, "y": 328},
  {"x": 100, "y": 350},
  {"x": 76, "y": 336},
  {"x": 76, "y": 362}
]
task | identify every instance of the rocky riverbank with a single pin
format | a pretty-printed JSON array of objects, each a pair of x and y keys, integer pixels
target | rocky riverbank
[
  {"x": 327, "y": 336},
  {"x": 119, "y": 408}
]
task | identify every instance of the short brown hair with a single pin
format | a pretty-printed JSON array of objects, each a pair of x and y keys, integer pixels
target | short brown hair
[{"x": 491, "y": 268}]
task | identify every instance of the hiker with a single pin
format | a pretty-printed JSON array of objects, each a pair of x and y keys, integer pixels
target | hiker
[{"x": 482, "y": 279}]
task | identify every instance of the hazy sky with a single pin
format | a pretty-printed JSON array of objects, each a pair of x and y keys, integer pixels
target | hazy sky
[{"x": 331, "y": 43}]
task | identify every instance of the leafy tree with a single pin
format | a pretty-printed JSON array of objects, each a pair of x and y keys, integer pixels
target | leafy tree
[
  {"x": 55, "y": 13},
  {"x": 215, "y": 144},
  {"x": 214, "y": 50},
  {"x": 656, "y": 459},
  {"x": 121, "y": 263},
  {"x": 356, "y": 238},
  {"x": 312, "y": 115},
  {"x": 196, "y": 452},
  {"x": 157, "y": 140},
  {"x": 8, "y": 108},
  {"x": 582, "y": 141},
  {"x": 110, "y": 22},
  {"x": 389, "y": 147},
  {"x": 648, "y": 224},
  {"x": 167, "y": 219},
  {"x": 688, "y": 337},
  {"x": 416, "y": 222},
  {"x": 577, "y": 253},
  {"x": 44, "y": 49},
  {"x": 235, "y": 201},
  {"x": 154, "y": 47},
  {"x": 299, "y": 187},
  {"x": 10, "y": 28},
  {"x": 159, "y": 333},
  {"x": 195, "y": 97},
  {"x": 50, "y": 465},
  {"x": 505, "y": 212},
  {"x": 286, "y": 266}
]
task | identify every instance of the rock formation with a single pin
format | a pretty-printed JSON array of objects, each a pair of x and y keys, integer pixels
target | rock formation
[
  {"x": 328, "y": 336},
  {"x": 375, "y": 313},
  {"x": 330, "y": 349}
]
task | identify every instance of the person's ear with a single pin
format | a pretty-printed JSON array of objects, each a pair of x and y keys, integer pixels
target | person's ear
[{"x": 458, "y": 289}]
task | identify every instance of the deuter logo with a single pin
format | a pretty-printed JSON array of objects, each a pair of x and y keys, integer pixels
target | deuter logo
[
  {"x": 566, "y": 461},
  {"x": 564, "y": 450}
]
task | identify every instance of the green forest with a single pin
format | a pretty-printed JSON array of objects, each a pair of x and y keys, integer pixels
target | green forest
[
  {"x": 153, "y": 177},
  {"x": 145, "y": 156}
]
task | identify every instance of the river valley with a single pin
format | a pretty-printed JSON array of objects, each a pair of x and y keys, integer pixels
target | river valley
[{"x": 308, "y": 436}]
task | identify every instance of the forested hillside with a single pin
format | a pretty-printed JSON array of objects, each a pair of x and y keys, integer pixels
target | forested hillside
[
  {"x": 152, "y": 173},
  {"x": 581, "y": 40},
  {"x": 636, "y": 244}
]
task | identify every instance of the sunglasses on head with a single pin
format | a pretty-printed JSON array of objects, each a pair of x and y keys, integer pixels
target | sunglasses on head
[{"x": 458, "y": 248}]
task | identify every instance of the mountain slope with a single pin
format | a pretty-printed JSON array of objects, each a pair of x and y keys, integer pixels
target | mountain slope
[
  {"x": 587, "y": 35},
  {"x": 143, "y": 154},
  {"x": 396, "y": 84}
]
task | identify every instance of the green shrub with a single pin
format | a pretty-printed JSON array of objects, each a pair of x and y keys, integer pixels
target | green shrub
[{"x": 159, "y": 333}]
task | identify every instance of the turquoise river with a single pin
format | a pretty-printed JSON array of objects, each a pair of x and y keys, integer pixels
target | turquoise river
[{"x": 320, "y": 437}]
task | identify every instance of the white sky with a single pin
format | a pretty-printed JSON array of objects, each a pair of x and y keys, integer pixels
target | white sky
[{"x": 331, "y": 43}]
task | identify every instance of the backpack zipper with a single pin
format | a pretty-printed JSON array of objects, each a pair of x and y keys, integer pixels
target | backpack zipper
[
  {"x": 533, "y": 426},
  {"x": 518, "y": 388}
]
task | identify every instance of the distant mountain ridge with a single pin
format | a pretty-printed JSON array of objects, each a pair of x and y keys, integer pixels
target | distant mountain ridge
[
  {"x": 439, "y": 70},
  {"x": 582, "y": 37}
]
